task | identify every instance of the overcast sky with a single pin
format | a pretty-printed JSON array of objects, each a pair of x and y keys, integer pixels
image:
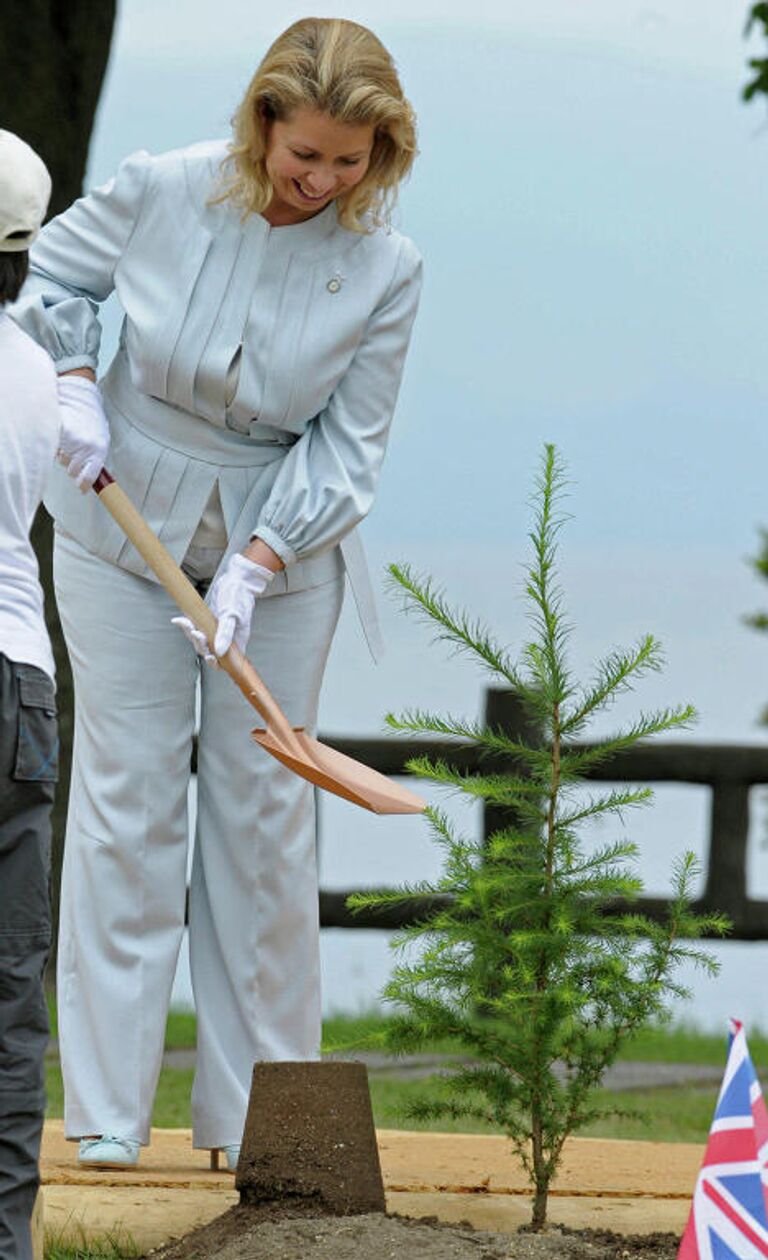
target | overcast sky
[
  {"x": 590, "y": 201},
  {"x": 701, "y": 33}
]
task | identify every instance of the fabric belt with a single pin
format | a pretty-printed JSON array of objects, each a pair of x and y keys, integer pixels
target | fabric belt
[
  {"x": 186, "y": 433},
  {"x": 183, "y": 433}
]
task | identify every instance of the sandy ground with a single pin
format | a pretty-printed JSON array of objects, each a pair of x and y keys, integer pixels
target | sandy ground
[{"x": 626, "y": 1187}]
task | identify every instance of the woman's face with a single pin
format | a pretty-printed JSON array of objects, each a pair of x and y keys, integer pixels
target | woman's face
[{"x": 311, "y": 159}]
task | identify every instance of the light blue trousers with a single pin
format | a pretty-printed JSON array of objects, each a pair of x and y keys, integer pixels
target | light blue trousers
[{"x": 253, "y": 915}]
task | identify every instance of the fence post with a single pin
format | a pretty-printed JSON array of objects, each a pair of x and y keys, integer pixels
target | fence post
[
  {"x": 726, "y": 882},
  {"x": 504, "y": 711}
]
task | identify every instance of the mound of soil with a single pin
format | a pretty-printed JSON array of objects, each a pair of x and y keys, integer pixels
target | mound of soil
[{"x": 268, "y": 1232}]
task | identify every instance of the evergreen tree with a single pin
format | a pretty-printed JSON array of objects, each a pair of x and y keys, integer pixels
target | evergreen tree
[
  {"x": 757, "y": 17},
  {"x": 538, "y": 964}
]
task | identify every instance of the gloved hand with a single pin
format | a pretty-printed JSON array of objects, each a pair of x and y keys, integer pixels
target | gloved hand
[
  {"x": 197, "y": 639},
  {"x": 84, "y": 432},
  {"x": 231, "y": 598}
]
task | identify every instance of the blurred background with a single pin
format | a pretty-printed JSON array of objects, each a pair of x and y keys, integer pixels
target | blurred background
[{"x": 590, "y": 201}]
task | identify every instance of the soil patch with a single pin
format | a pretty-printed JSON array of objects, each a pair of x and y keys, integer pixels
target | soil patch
[
  {"x": 309, "y": 1135},
  {"x": 269, "y": 1232}
]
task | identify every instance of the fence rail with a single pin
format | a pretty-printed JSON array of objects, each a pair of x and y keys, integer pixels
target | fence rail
[{"x": 730, "y": 772}]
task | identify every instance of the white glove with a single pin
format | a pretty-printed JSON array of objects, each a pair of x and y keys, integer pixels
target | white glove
[
  {"x": 231, "y": 598},
  {"x": 84, "y": 432},
  {"x": 197, "y": 639}
]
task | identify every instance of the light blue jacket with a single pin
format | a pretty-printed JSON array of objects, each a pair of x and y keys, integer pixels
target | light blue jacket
[{"x": 265, "y": 360}]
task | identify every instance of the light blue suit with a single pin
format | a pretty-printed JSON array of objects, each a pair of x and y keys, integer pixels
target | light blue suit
[
  {"x": 265, "y": 363},
  {"x": 236, "y": 334}
]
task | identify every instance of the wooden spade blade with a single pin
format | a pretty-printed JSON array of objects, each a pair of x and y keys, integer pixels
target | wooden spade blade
[{"x": 338, "y": 773}]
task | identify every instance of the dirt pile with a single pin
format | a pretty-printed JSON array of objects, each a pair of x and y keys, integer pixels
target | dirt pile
[{"x": 250, "y": 1233}]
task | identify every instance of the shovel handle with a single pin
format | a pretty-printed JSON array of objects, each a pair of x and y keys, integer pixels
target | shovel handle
[{"x": 183, "y": 593}]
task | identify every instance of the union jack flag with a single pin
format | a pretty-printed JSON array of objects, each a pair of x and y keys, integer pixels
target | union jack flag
[{"x": 729, "y": 1213}]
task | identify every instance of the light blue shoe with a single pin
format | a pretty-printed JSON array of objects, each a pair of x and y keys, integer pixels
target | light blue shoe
[
  {"x": 231, "y": 1154},
  {"x": 108, "y": 1151}
]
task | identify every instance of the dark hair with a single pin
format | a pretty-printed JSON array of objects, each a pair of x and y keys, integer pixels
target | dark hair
[{"x": 13, "y": 273}]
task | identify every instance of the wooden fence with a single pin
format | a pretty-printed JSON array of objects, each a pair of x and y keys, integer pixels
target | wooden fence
[{"x": 729, "y": 771}]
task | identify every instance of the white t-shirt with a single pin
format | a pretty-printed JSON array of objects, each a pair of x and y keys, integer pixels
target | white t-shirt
[{"x": 29, "y": 438}]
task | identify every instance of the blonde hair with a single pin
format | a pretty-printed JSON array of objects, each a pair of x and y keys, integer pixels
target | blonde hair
[{"x": 338, "y": 68}]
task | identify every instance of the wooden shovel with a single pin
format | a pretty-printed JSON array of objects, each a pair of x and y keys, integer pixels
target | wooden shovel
[{"x": 300, "y": 752}]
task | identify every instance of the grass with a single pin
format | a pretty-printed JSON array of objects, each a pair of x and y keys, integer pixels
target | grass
[
  {"x": 121, "y": 1247},
  {"x": 66, "y": 1245},
  {"x": 682, "y": 1113},
  {"x": 679, "y": 1114},
  {"x": 680, "y": 1044},
  {"x": 180, "y": 1030},
  {"x": 672, "y": 1114},
  {"x": 662, "y": 1044}
]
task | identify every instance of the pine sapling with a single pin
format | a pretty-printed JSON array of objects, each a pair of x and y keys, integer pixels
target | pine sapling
[{"x": 536, "y": 963}]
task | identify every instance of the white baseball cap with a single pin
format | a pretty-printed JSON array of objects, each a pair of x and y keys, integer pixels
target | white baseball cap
[{"x": 25, "y": 190}]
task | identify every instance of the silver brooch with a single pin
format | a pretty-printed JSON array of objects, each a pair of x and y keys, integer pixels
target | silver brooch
[{"x": 334, "y": 284}]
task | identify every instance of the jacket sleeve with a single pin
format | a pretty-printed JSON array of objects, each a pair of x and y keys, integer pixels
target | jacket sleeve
[
  {"x": 72, "y": 267},
  {"x": 327, "y": 482}
]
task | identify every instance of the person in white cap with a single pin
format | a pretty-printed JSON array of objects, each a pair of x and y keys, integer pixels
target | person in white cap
[{"x": 29, "y": 439}]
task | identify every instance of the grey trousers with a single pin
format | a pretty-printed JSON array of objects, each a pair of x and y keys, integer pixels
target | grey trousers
[{"x": 28, "y": 761}]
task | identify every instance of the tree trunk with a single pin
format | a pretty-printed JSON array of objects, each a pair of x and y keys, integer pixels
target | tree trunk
[
  {"x": 540, "y": 1171},
  {"x": 539, "y": 1216},
  {"x": 53, "y": 57}
]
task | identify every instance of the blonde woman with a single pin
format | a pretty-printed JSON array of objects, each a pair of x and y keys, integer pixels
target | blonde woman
[{"x": 268, "y": 308}]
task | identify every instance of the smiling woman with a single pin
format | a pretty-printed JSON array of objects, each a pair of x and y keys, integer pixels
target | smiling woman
[
  {"x": 267, "y": 314},
  {"x": 326, "y": 97},
  {"x": 310, "y": 159}
]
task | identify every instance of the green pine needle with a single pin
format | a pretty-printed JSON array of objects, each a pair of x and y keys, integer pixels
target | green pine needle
[
  {"x": 533, "y": 960},
  {"x": 463, "y": 633}
]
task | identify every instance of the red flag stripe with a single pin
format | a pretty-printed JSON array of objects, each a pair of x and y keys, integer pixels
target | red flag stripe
[
  {"x": 731, "y": 1146},
  {"x": 734, "y": 1218}
]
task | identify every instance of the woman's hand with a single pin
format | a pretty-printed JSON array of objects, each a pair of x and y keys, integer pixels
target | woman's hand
[
  {"x": 261, "y": 553},
  {"x": 231, "y": 598},
  {"x": 83, "y": 428}
]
